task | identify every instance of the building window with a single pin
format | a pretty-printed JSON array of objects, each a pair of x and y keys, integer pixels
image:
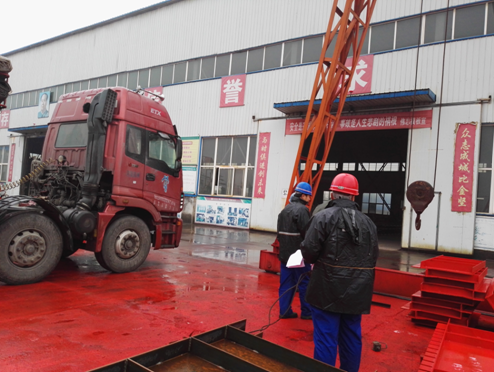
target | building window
[
  {"x": 272, "y": 57},
  {"x": 238, "y": 63},
  {"x": 179, "y": 74},
  {"x": 382, "y": 37},
  {"x": 312, "y": 49},
  {"x": 167, "y": 77},
  {"x": 193, "y": 69},
  {"x": 222, "y": 65},
  {"x": 484, "y": 187},
  {"x": 490, "y": 18},
  {"x": 292, "y": 53},
  {"x": 408, "y": 32},
  {"x": 112, "y": 80},
  {"x": 154, "y": 77},
  {"x": 436, "y": 25},
  {"x": 4, "y": 163},
  {"x": 122, "y": 79},
  {"x": 207, "y": 68},
  {"x": 102, "y": 82},
  {"x": 254, "y": 62},
  {"x": 131, "y": 81},
  {"x": 469, "y": 21},
  {"x": 376, "y": 203},
  {"x": 227, "y": 166},
  {"x": 143, "y": 78}
]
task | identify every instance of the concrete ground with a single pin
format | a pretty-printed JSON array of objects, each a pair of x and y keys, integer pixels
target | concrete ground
[{"x": 82, "y": 317}]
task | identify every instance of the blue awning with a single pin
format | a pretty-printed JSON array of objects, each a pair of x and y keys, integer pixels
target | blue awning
[
  {"x": 361, "y": 102},
  {"x": 35, "y": 129}
]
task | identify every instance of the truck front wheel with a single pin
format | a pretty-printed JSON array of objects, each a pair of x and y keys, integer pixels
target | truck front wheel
[
  {"x": 125, "y": 246},
  {"x": 30, "y": 248}
]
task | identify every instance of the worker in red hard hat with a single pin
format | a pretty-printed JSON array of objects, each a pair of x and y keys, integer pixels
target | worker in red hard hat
[
  {"x": 292, "y": 222},
  {"x": 342, "y": 244}
]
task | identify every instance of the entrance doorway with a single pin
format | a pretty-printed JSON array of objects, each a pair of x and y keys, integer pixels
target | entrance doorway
[
  {"x": 378, "y": 160},
  {"x": 32, "y": 150}
]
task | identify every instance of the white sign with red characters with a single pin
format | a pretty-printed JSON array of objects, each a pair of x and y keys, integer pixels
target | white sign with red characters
[
  {"x": 232, "y": 90},
  {"x": 4, "y": 119},
  {"x": 362, "y": 78}
]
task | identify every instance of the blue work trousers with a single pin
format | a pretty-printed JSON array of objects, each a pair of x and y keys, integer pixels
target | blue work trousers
[
  {"x": 288, "y": 279},
  {"x": 337, "y": 332}
]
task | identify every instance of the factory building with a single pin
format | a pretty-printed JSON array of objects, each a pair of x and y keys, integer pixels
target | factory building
[{"x": 237, "y": 78}]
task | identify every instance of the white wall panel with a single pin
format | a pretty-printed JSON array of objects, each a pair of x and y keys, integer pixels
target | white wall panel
[
  {"x": 183, "y": 30},
  {"x": 456, "y": 230},
  {"x": 194, "y": 107},
  {"x": 282, "y": 154}
]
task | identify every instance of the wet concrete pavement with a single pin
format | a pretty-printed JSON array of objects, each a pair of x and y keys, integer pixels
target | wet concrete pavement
[
  {"x": 82, "y": 317},
  {"x": 244, "y": 246}
]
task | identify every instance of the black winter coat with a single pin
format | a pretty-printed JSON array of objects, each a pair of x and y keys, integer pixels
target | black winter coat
[
  {"x": 341, "y": 242},
  {"x": 292, "y": 222}
]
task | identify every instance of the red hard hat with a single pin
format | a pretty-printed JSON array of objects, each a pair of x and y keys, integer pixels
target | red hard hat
[{"x": 345, "y": 183}]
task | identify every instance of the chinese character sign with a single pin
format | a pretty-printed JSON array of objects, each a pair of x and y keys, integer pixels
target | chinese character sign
[
  {"x": 11, "y": 162},
  {"x": 463, "y": 169},
  {"x": 294, "y": 126},
  {"x": 262, "y": 165},
  {"x": 4, "y": 119},
  {"x": 362, "y": 78},
  {"x": 395, "y": 120},
  {"x": 232, "y": 91}
]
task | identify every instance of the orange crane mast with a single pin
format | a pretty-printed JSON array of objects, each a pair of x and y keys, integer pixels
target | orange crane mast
[{"x": 333, "y": 79}]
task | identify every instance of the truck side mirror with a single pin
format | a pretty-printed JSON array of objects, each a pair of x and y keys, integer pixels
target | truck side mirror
[{"x": 179, "y": 149}]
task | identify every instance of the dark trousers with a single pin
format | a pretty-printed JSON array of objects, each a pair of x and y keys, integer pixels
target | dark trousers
[
  {"x": 334, "y": 331},
  {"x": 288, "y": 279}
]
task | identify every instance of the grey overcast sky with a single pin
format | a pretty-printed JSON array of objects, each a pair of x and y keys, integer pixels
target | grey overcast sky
[{"x": 30, "y": 21}]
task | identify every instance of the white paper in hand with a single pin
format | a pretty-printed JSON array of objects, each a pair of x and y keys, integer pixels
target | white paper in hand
[{"x": 295, "y": 260}]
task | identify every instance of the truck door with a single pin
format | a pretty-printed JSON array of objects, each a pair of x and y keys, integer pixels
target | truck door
[
  {"x": 162, "y": 179},
  {"x": 133, "y": 162}
]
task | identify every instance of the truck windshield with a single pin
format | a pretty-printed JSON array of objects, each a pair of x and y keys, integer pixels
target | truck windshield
[
  {"x": 72, "y": 135},
  {"x": 163, "y": 147}
]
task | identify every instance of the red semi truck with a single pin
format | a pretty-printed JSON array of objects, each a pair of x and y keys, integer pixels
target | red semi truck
[{"x": 110, "y": 182}]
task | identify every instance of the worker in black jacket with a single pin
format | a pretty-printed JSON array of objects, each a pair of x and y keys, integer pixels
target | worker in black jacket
[
  {"x": 292, "y": 222},
  {"x": 342, "y": 244}
]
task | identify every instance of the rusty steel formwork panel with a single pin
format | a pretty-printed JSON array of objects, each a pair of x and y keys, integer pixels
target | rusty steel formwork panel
[{"x": 228, "y": 348}]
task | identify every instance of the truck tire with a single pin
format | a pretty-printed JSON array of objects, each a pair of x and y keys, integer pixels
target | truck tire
[
  {"x": 125, "y": 246},
  {"x": 30, "y": 248}
]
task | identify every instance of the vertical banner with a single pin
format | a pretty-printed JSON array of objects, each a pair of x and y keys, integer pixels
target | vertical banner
[
  {"x": 11, "y": 162},
  {"x": 4, "y": 119},
  {"x": 232, "y": 91},
  {"x": 463, "y": 167},
  {"x": 262, "y": 165}
]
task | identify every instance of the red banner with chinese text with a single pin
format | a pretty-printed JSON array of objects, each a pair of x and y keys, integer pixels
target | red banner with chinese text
[
  {"x": 463, "y": 169},
  {"x": 232, "y": 90},
  {"x": 4, "y": 119},
  {"x": 262, "y": 165},
  {"x": 11, "y": 162},
  {"x": 395, "y": 120}
]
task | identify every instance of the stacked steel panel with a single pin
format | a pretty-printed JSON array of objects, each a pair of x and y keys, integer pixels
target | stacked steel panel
[{"x": 451, "y": 290}]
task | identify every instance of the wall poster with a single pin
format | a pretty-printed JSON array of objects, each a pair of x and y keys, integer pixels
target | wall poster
[{"x": 223, "y": 212}]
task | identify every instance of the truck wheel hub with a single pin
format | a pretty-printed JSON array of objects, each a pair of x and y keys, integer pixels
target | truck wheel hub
[
  {"x": 27, "y": 249},
  {"x": 127, "y": 244}
]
